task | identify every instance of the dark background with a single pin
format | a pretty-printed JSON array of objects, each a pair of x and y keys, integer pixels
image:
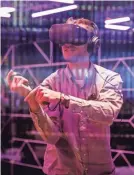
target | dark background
[{"x": 21, "y": 30}]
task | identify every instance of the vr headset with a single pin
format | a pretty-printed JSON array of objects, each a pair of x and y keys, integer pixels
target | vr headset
[{"x": 69, "y": 33}]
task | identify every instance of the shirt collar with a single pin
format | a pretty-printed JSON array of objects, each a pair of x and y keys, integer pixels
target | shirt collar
[{"x": 69, "y": 74}]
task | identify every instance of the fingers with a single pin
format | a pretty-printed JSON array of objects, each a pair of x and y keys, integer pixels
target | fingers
[
  {"x": 8, "y": 80},
  {"x": 42, "y": 88},
  {"x": 19, "y": 85},
  {"x": 21, "y": 79},
  {"x": 31, "y": 95},
  {"x": 39, "y": 92},
  {"x": 12, "y": 84},
  {"x": 42, "y": 91},
  {"x": 16, "y": 83},
  {"x": 41, "y": 95},
  {"x": 43, "y": 100},
  {"x": 23, "y": 83},
  {"x": 16, "y": 78},
  {"x": 24, "y": 89}
]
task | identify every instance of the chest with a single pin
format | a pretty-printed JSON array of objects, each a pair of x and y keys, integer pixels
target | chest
[{"x": 82, "y": 89}]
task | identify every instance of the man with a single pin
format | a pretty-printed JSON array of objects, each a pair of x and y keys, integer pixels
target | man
[{"x": 74, "y": 107}]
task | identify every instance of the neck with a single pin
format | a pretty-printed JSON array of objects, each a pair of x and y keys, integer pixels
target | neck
[
  {"x": 80, "y": 68},
  {"x": 82, "y": 63}
]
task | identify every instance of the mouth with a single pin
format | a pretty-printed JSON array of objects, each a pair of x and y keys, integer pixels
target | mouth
[{"x": 70, "y": 49}]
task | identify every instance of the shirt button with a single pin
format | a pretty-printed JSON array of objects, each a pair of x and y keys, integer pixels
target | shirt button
[
  {"x": 81, "y": 122},
  {"x": 82, "y": 128}
]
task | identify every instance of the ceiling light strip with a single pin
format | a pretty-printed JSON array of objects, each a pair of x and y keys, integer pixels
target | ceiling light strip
[
  {"x": 117, "y": 20},
  {"x": 117, "y": 27},
  {"x": 64, "y": 1},
  {"x": 57, "y": 10}
]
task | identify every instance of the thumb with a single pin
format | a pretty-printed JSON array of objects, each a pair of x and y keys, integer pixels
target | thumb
[
  {"x": 26, "y": 87},
  {"x": 31, "y": 93}
]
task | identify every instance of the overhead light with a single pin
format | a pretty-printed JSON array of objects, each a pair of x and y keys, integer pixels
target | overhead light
[
  {"x": 57, "y": 10},
  {"x": 7, "y": 9},
  {"x": 4, "y": 11},
  {"x": 117, "y": 20},
  {"x": 64, "y": 1},
  {"x": 117, "y": 27},
  {"x": 6, "y": 15}
]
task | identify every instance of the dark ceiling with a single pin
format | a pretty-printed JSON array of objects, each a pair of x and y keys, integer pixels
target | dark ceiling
[
  {"x": 95, "y": 10},
  {"x": 21, "y": 27}
]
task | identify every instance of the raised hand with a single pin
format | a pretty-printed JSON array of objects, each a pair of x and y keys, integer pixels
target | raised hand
[
  {"x": 18, "y": 83},
  {"x": 44, "y": 94}
]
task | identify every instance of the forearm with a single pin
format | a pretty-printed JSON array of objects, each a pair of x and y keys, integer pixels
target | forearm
[
  {"x": 44, "y": 125},
  {"x": 97, "y": 111},
  {"x": 103, "y": 112}
]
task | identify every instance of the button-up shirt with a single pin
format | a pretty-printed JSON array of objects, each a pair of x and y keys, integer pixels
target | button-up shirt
[{"x": 78, "y": 137}]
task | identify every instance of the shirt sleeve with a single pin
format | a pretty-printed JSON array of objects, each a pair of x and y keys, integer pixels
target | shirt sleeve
[
  {"x": 47, "y": 126},
  {"x": 46, "y": 121},
  {"x": 106, "y": 107}
]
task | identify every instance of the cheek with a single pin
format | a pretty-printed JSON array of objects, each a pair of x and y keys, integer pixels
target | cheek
[
  {"x": 63, "y": 52},
  {"x": 69, "y": 52},
  {"x": 83, "y": 50}
]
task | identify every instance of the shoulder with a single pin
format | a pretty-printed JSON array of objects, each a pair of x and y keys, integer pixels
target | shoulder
[{"x": 106, "y": 73}]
